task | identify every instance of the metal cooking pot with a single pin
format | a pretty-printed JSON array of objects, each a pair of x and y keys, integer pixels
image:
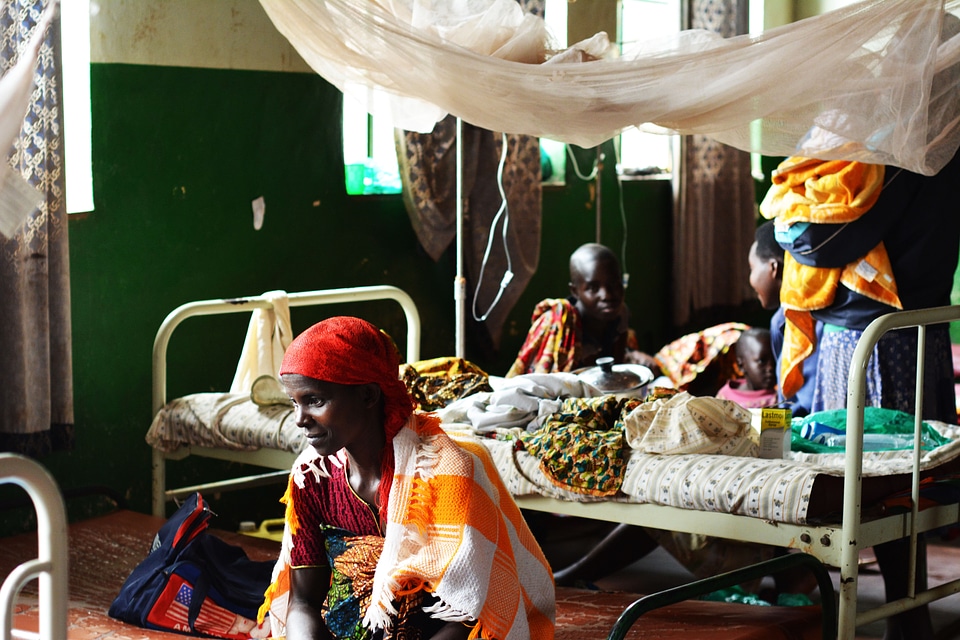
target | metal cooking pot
[{"x": 617, "y": 378}]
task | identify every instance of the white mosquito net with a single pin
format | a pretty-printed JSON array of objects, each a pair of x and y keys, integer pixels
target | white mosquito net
[{"x": 872, "y": 81}]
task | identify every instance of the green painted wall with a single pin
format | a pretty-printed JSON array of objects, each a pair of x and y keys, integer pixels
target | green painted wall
[{"x": 179, "y": 154}]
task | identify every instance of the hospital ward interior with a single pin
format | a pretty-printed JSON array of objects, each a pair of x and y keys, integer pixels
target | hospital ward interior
[{"x": 629, "y": 319}]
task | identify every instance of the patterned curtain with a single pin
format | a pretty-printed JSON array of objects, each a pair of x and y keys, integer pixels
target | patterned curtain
[
  {"x": 714, "y": 207},
  {"x": 428, "y": 167},
  {"x": 36, "y": 385}
]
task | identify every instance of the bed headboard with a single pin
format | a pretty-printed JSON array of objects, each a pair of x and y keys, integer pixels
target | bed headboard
[{"x": 301, "y": 299}]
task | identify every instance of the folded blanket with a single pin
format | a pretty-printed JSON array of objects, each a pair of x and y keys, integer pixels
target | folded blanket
[
  {"x": 689, "y": 424},
  {"x": 523, "y": 401},
  {"x": 435, "y": 383}
]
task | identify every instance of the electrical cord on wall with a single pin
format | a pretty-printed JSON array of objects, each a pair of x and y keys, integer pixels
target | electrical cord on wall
[
  {"x": 623, "y": 213},
  {"x": 503, "y": 212}
]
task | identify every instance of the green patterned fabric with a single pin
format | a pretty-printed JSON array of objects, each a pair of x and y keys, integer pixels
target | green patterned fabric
[{"x": 581, "y": 447}]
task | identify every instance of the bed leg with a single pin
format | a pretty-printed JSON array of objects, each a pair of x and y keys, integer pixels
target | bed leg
[
  {"x": 726, "y": 580},
  {"x": 159, "y": 484}
]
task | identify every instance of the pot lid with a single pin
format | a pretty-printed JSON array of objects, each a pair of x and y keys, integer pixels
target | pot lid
[{"x": 614, "y": 378}]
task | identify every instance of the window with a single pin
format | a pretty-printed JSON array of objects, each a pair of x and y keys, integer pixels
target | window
[
  {"x": 369, "y": 151},
  {"x": 553, "y": 154},
  {"x": 638, "y": 153},
  {"x": 640, "y": 20},
  {"x": 370, "y": 163},
  {"x": 75, "y": 50}
]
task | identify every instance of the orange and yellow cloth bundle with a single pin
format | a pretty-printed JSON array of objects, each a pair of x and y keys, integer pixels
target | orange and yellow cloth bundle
[{"x": 831, "y": 192}]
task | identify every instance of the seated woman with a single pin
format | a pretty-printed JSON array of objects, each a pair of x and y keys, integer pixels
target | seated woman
[{"x": 390, "y": 524}]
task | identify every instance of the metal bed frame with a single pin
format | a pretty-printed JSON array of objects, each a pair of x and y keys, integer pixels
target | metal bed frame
[
  {"x": 837, "y": 545},
  {"x": 50, "y": 565},
  {"x": 268, "y": 458}
]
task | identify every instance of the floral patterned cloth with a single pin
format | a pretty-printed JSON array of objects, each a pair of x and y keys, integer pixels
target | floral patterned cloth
[
  {"x": 556, "y": 342},
  {"x": 435, "y": 383},
  {"x": 581, "y": 447},
  {"x": 353, "y": 560},
  {"x": 705, "y": 356},
  {"x": 551, "y": 343}
]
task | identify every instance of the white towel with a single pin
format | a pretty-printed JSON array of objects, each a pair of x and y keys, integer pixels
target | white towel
[{"x": 268, "y": 335}]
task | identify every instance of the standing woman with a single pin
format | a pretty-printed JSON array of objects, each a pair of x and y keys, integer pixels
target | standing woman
[
  {"x": 862, "y": 241},
  {"x": 393, "y": 530}
]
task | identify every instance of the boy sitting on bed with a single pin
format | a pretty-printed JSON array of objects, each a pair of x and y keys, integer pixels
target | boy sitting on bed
[{"x": 569, "y": 333}]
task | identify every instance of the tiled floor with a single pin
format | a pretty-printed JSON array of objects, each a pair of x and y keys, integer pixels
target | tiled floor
[{"x": 104, "y": 550}]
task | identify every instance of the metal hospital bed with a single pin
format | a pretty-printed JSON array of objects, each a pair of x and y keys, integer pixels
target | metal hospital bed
[
  {"x": 269, "y": 458},
  {"x": 835, "y": 544}
]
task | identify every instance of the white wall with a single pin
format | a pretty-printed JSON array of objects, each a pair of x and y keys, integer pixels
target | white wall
[{"x": 220, "y": 34}]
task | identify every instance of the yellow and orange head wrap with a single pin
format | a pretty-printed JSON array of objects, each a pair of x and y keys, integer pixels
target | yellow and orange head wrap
[{"x": 347, "y": 350}]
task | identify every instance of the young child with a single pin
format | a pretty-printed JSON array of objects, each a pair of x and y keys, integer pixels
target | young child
[
  {"x": 758, "y": 387},
  {"x": 569, "y": 333}
]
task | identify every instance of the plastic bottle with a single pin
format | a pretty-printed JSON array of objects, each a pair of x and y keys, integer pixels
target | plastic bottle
[
  {"x": 817, "y": 432},
  {"x": 871, "y": 441}
]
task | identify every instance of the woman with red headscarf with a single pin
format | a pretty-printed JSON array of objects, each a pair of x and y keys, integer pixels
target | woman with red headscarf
[{"x": 393, "y": 530}]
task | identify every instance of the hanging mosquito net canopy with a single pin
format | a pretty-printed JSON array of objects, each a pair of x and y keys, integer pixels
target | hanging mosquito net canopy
[{"x": 873, "y": 81}]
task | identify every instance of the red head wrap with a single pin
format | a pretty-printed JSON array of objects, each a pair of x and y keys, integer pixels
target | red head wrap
[{"x": 346, "y": 350}]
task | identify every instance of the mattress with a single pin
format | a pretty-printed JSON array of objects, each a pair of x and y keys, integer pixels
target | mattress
[{"x": 797, "y": 490}]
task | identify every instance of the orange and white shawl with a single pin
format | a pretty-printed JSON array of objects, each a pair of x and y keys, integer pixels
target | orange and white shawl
[
  {"x": 833, "y": 192},
  {"x": 453, "y": 530}
]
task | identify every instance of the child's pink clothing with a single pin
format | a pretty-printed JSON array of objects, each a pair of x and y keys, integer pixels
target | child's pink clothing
[{"x": 748, "y": 399}]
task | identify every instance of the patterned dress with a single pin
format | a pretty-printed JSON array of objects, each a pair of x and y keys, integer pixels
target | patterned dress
[
  {"x": 556, "y": 342},
  {"x": 338, "y": 529}
]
